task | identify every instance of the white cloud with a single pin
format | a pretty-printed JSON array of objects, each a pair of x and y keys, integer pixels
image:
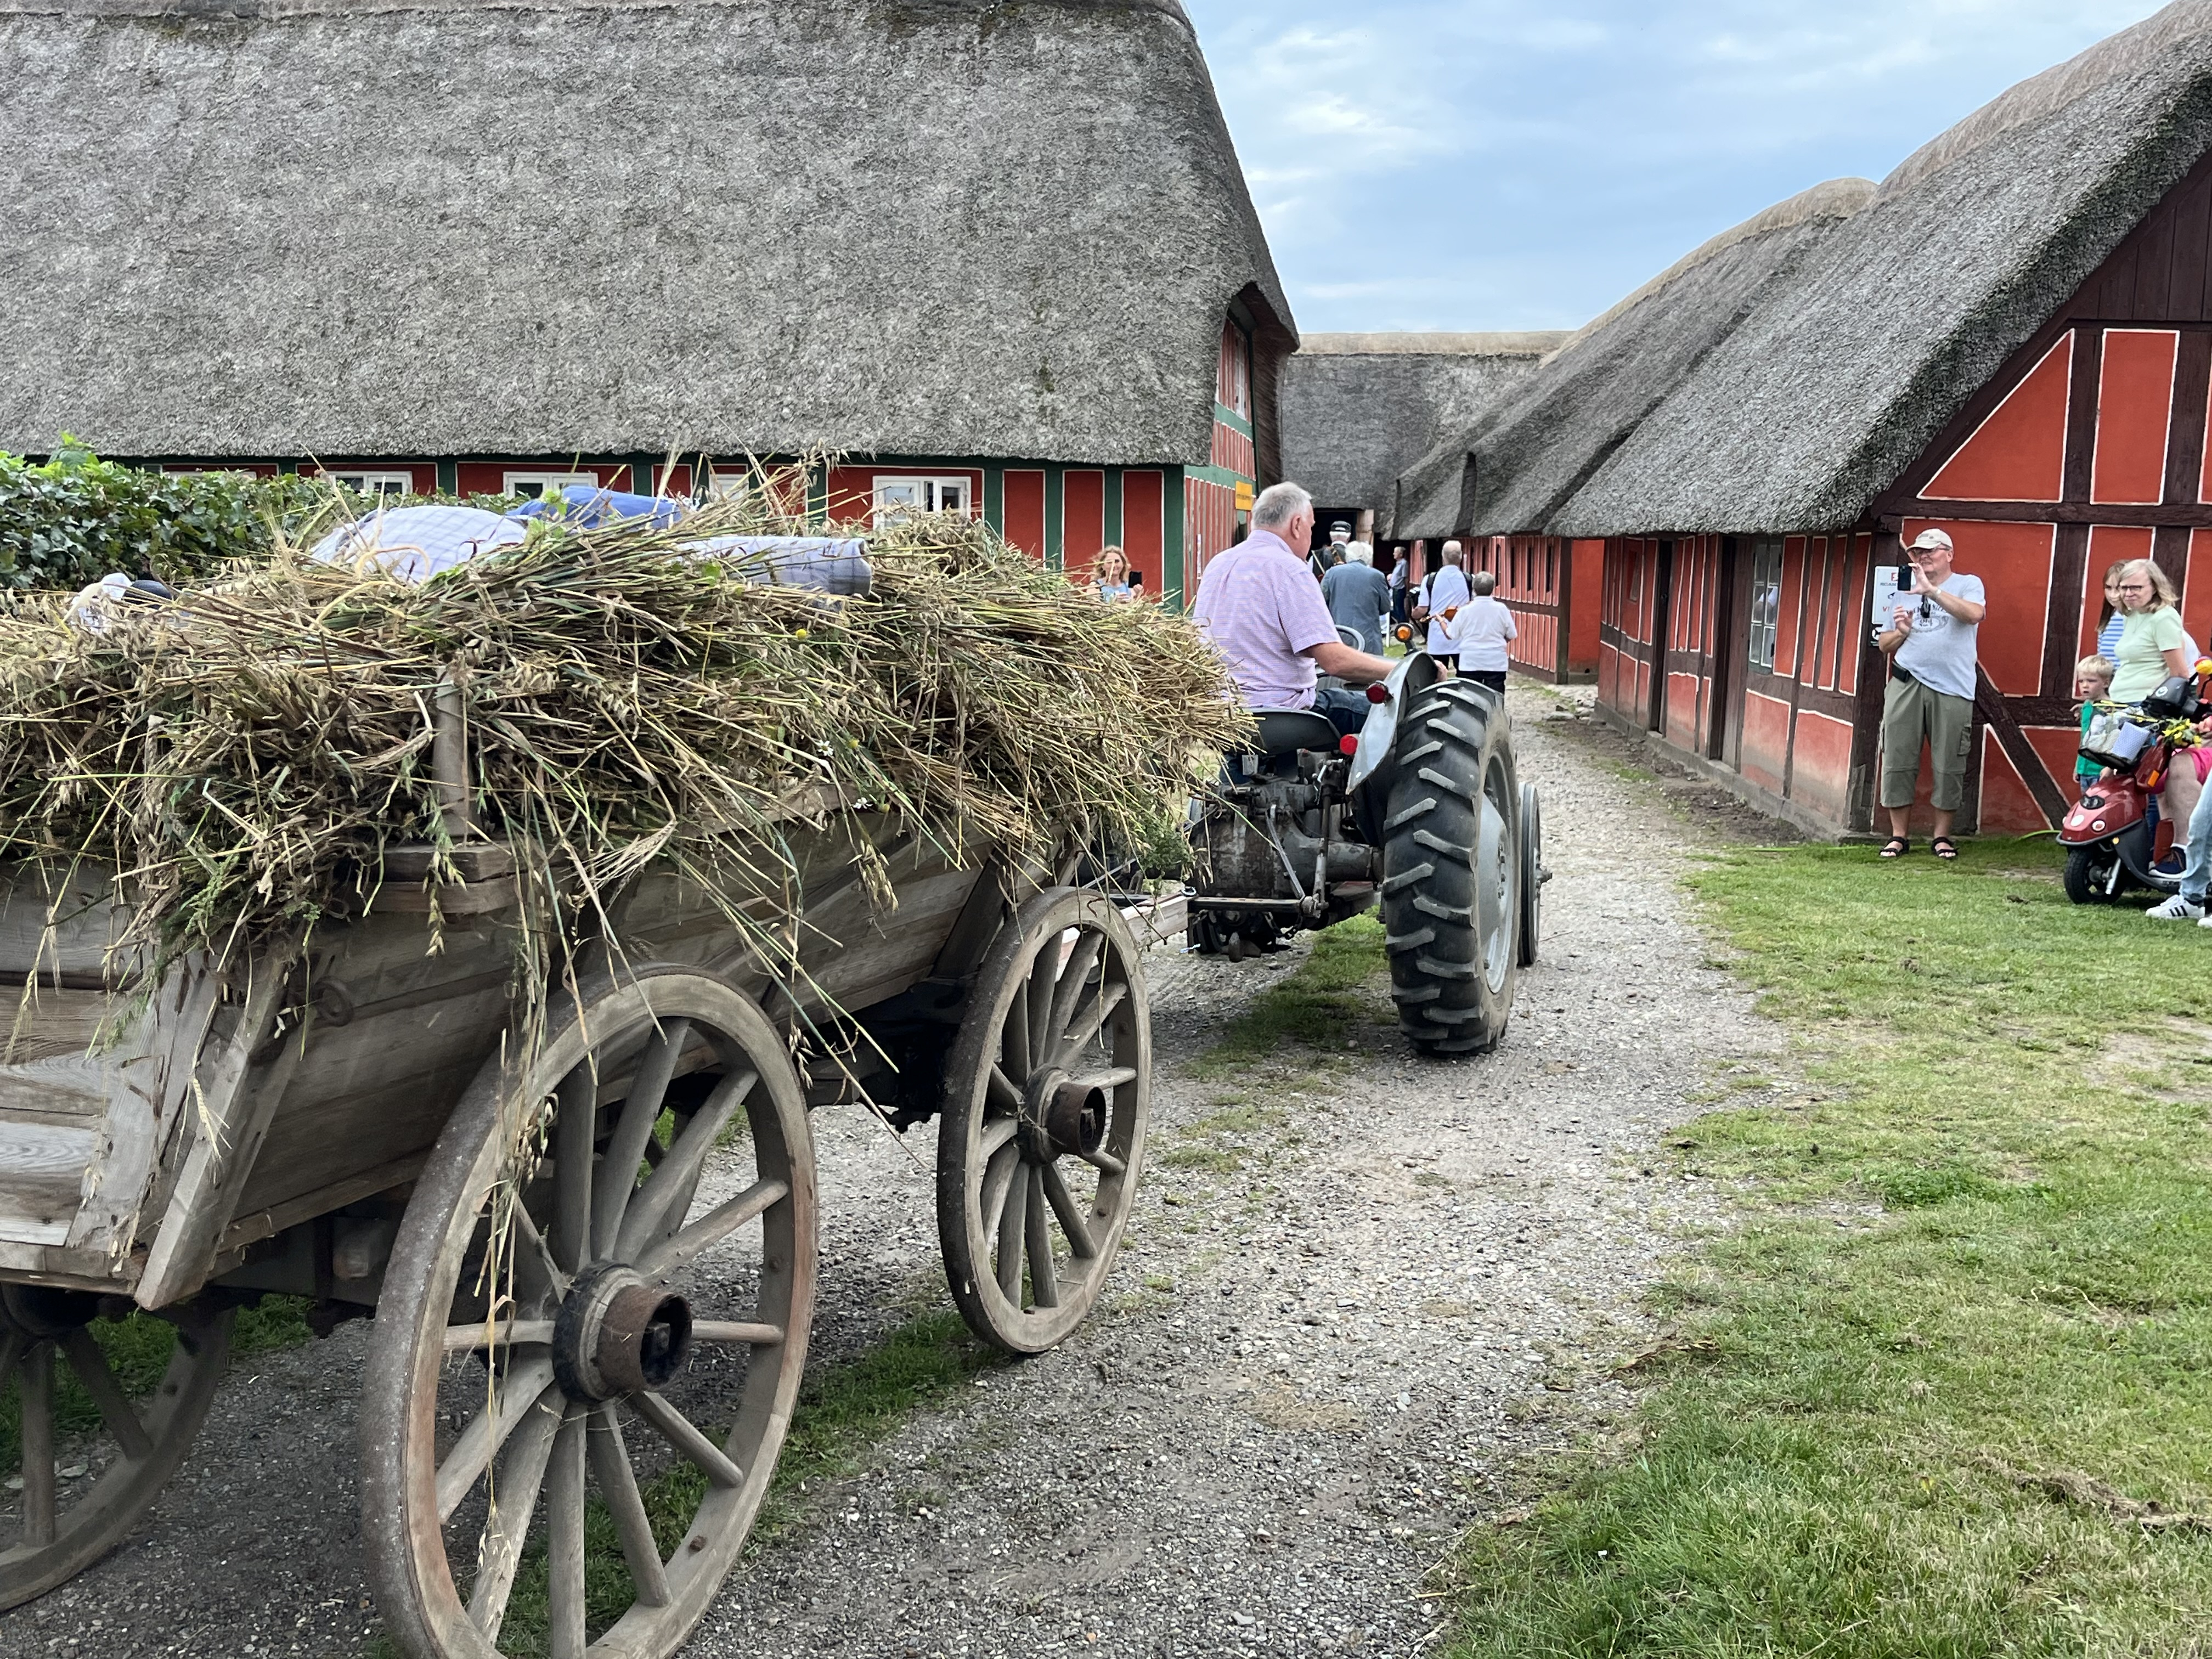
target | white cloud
[{"x": 1475, "y": 164}]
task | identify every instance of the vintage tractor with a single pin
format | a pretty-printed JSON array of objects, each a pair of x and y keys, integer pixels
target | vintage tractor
[{"x": 1422, "y": 811}]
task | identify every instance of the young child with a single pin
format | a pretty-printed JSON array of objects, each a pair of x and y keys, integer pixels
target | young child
[{"x": 2093, "y": 683}]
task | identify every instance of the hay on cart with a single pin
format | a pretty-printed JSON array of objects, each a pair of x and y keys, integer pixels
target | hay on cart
[{"x": 246, "y": 755}]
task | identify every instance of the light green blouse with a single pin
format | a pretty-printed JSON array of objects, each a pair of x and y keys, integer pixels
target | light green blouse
[{"x": 2144, "y": 642}]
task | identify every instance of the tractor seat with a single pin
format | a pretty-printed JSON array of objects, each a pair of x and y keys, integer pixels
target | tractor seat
[{"x": 1293, "y": 731}]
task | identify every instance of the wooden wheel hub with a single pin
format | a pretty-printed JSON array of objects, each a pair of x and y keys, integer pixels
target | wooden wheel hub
[
  {"x": 1068, "y": 1116},
  {"x": 617, "y": 1333}
]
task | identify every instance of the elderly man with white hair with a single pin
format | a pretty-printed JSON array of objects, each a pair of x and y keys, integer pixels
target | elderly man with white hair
[
  {"x": 1260, "y": 605},
  {"x": 1445, "y": 590},
  {"x": 1357, "y": 595}
]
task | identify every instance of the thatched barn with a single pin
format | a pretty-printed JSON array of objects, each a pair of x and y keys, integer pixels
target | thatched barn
[
  {"x": 1499, "y": 483},
  {"x": 997, "y": 256},
  {"x": 1359, "y": 409},
  {"x": 2010, "y": 338}
]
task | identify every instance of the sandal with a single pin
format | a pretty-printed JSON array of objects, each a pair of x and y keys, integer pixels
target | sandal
[
  {"x": 1896, "y": 848},
  {"x": 1944, "y": 848}
]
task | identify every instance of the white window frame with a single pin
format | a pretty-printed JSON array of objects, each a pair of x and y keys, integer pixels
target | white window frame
[
  {"x": 931, "y": 486},
  {"x": 534, "y": 484},
  {"x": 1764, "y": 631},
  {"x": 372, "y": 480}
]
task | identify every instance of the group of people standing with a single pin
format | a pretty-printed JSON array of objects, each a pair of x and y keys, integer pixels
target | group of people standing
[
  {"x": 1930, "y": 640},
  {"x": 2141, "y": 644},
  {"x": 1468, "y": 630},
  {"x": 1279, "y": 631}
]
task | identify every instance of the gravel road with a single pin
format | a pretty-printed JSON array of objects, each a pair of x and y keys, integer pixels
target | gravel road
[{"x": 1361, "y": 1296}]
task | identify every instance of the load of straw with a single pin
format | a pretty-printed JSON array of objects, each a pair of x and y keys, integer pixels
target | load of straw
[{"x": 245, "y": 756}]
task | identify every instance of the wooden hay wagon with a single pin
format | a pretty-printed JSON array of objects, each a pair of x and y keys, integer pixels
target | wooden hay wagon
[{"x": 590, "y": 1249}]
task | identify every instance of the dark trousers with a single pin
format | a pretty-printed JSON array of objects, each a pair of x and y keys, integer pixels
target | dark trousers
[
  {"x": 1493, "y": 678},
  {"x": 1345, "y": 710}
]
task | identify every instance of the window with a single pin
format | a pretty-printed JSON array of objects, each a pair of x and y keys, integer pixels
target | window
[
  {"x": 534, "y": 484},
  {"x": 728, "y": 486},
  {"x": 895, "y": 497},
  {"x": 1765, "y": 599},
  {"x": 1235, "y": 380},
  {"x": 375, "y": 484}
]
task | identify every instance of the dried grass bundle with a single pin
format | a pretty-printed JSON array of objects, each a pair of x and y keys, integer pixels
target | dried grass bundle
[{"x": 245, "y": 757}]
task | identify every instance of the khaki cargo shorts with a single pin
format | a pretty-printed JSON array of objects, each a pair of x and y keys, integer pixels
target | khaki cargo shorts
[{"x": 1911, "y": 712}]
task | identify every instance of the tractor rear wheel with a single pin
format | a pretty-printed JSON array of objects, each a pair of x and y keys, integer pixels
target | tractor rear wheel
[{"x": 1451, "y": 871}]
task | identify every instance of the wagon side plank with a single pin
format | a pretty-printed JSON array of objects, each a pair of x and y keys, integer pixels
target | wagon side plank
[{"x": 230, "y": 1116}]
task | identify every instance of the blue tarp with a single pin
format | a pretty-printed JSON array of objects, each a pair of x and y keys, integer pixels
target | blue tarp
[{"x": 590, "y": 506}]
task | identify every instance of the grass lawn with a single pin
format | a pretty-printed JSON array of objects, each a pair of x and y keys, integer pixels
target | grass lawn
[
  {"x": 1310, "y": 1009},
  {"x": 1919, "y": 1403}
]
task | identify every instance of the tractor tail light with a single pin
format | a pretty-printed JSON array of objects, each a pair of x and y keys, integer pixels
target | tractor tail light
[
  {"x": 1347, "y": 746},
  {"x": 1378, "y": 692}
]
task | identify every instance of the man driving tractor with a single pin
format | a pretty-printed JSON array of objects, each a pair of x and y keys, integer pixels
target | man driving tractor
[{"x": 1260, "y": 605}]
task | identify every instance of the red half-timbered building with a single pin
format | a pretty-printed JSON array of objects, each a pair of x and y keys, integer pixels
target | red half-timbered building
[
  {"x": 1049, "y": 303},
  {"x": 1499, "y": 484},
  {"x": 2011, "y": 341},
  {"x": 2009, "y": 337}
]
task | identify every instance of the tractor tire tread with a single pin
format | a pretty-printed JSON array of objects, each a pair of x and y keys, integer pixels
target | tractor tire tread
[
  {"x": 1431, "y": 895},
  {"x": 1420, "y": 808}
]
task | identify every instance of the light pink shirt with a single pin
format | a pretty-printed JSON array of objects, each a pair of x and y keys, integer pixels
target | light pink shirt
[{"x": 1260, "y": 605}]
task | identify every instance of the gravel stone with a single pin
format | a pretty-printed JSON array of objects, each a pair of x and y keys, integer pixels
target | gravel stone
[{"x": 1311, "y": 1373}]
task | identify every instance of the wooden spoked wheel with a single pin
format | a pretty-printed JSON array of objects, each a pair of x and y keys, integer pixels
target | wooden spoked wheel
[
  {"x": 538, "y": 1472},
  {"x": 53, "y": 1529},
  {"x": 1043, "y": 1137}
]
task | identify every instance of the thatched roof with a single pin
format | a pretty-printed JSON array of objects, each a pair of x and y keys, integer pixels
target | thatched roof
[
  {"x": 1358, "y": 409},
  {"x": 991, "y": 228},
  {"x": 1811, "y": 408},
  {"x": 1534, "y": 452}
]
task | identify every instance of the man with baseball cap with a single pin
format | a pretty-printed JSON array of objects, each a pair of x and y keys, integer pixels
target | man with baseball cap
[{"x": 1930, "y": 643}]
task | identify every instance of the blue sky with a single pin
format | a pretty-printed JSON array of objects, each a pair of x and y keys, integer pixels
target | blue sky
[{"x": 1479, "y": 165}]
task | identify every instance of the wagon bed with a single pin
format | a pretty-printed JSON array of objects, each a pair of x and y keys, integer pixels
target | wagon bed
[{"x": 349, "y": 1118}]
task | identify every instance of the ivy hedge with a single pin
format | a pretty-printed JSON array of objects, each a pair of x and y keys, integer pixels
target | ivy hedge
[{"x": 68, "y": 521}]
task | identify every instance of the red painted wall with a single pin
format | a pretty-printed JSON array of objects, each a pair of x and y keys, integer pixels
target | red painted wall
[
  {"x": 1851, "y": 617},
  {"x": 1766, "y": 749},
  {"x": 1209, "y": 526},
  {"x": 1789, "y": 603},
  {"x": 1587, "y": 594},
  {"x": 2135, "y": 400},
  {"x": 2008, "y": 807},
  {"x": 2019, "y": 454},
  {"x": 1144, "y": 499},
  {"x": 2196, "y": 594},
  {"x": 2109, "y": 544},
  {"x": 1821, "y": 771},
  {"x": 1025, "y": 512},
  {"x": 1082, "y": 520}
]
